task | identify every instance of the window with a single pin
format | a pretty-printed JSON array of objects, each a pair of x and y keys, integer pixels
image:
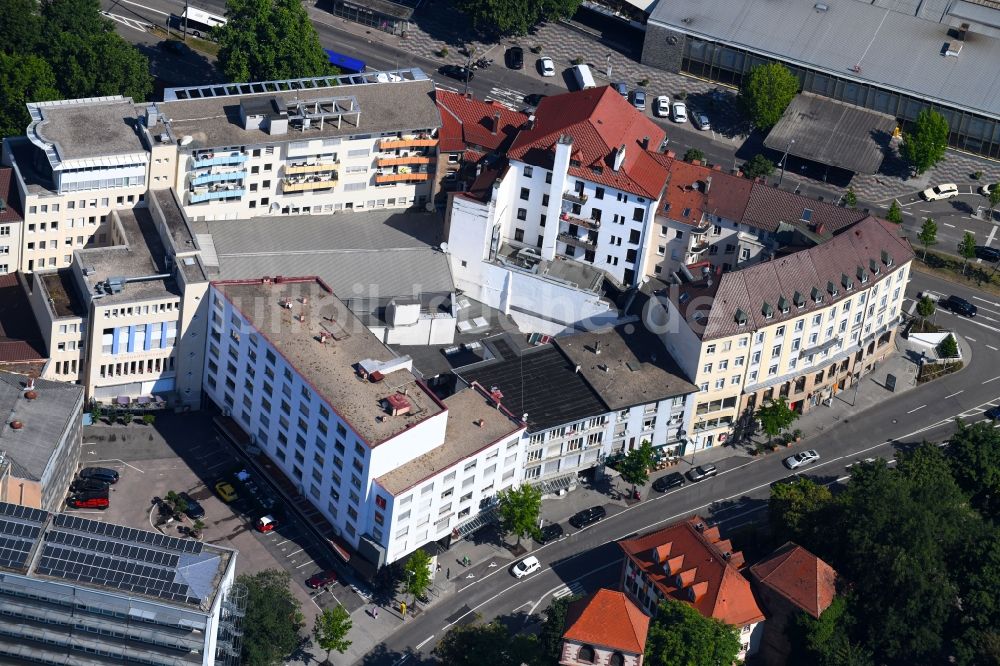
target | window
[
  {"x": 710, "y": 349},
  {"x": 720, "y": 383},
  {"x": 776, "y": 350},
  {"x": 586, "y": 654},
  {"x": 779, "y": 332},
  {"x": 752, "y": 377},
  {"x": 735, "y": 380},
  {"x": 528, "y": 171},
  {"x": 525, "y": 193},
  {"x": 773, "y": 370},
  {"x": 796, "y": 343},
  {"x": 799, "y": 325},
  {"x": 723, "y": 365},
  {"x": 638, "y": 215},
  {"x": 707, "y": 368},
  {"x": 599, "y": 193},
  {"x": 703, "y": 387},
  {"x": 519, "y": 234},
  {"x": 522, "y": 213}
]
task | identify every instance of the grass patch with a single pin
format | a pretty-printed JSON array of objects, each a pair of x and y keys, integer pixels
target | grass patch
[
  {"x": 924, "y": 326},
  {"x": 206, "y": 46},
  {"x": 932, "y": 371},
  {"x": 947, "y": 267}
]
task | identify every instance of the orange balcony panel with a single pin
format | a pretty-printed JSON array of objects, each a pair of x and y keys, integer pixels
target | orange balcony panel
[
  {"x": 401, "y": 178},
  {"x": 396, "y": 161},
  {"x": 396, "y": 144}
]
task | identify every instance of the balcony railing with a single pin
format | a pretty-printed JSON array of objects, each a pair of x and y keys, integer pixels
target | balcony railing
[
  {"x": 699, "y": 231},
  {"x": 389, "y": 178},
  {"x": 569, "y": 239},
  {"x": 575, "y": 197},
  {"x": 206, "y": 178},
  {"x": 580, "y": 222},
  {"x": 408, "y": 142},
  {"x": 219, "y": 160},
  {"x": 698, "y": 248},
  {"x": 215, "y": 195},
  {"x": 397, "y": 161},
  {"x": 309, "y": 168},
  {"x": 308, "y": 185}
]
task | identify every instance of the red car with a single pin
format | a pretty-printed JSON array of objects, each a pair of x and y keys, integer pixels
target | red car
[
  {"x": 88, "y": 502},
  {"x": 322, "y": 579},
  {"x": 266, "y": 524}
]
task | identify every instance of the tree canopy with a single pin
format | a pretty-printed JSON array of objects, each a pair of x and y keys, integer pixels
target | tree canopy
[
  {"x": 553, "y": 628},
  {"x": 767, "y": 92},
  {"x": 518, "y": 509},
  {"x": 492, "y": 643},
  {"x": 895, "y": 213},
  {"x": 925, "y": 307},
  {"x": 793, "y": 508},
  {"x": 514, "y": 17},
  {"x": 967, "y": 249},
  {"x": 273, "y": 618},
  {"x": 634, "y": 468},
  {"x": 418, "y": 573},
  {"x": 331, "y": 629},
  {"x": 681, "y": 636},
  {"x": 928, "y": 234},
  {"x": 758, "y": 167},
  {"x": 267, "y": 40},
  {"x": 776, "y": 416},
  {"x": 926, "y": 144}
]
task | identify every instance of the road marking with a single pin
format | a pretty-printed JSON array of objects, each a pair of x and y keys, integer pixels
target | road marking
[
  {"x": 303, "y": 565},
  {"x": 991, "y": 380},
  {"x": 405, "y": 657},
  {"x": 136, "y": 4},
  {"x": 954, "y": 394},
  {"x": 295, "y": 553},
  {"x": 993, "y": 348},
  {"x": 420, "y": 645},
  {"x": 989, "y": 239},
  {"x": 969, "y": 231},
  {"x": 916, "y": 409},
  {"x": 119, "y": 460},
  {"x": 141, "y": 26},
  {"x": 994, "y": 303},
  {"x": 949, "y": 225},
  {"x": 970, "y": 339}
]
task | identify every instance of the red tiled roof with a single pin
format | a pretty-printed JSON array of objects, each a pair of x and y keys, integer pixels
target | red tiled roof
[
  {"x": 607, "y": 619},
  {"x": 467, "y": 121},
  {"x": 769, "y": 206},
  {"x": 726, "y": 195},
  {"x": 10, "y": 212},
  {"x": 720, "y": 591},
  {"x": 799, "y": 576},
  {"x": 600, "y": 121},
  {"x": 748, "y": 289}
]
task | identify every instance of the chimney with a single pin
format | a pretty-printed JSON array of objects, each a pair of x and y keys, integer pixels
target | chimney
[
  {"x": 480, "y": 423},
  {"x": 496, "y": 123},
  {"x": 619, "y": 158},
  {"x": 708, "y": 184},
  {"x": 577, "y": 371},
  {"x": 300, "y": 318},
  {"x": 671, "y": 154},
  {"x": 645, "y": 143},
  {"x": 30, "y": 384},
  {"x": 820, "y": 228},
  {"x": 597, "y": 347}
]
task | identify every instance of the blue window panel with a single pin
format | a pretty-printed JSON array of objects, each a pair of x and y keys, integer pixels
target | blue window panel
[
  {"x": 131, "y": 339},
  {"x": 147, "y": 343},
  {"x": 115, "y": 340},
  {"x": 163, "y": 335}
]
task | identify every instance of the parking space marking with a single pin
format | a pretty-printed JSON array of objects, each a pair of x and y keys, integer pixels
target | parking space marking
[
  {"x": 949, "y": 225},
  {"x": 304, "y": 564},
  {"x": 954, "y": 394},
  {"x": 916, "y": 409},
  {"x": 970, "y": 339},
  {"x": 117, "y": 460},
  {"x": 295, "y": 553},
  {"x": 969, "y": 231},
  {"x": 993, "y": 348},
  {"x": 991, "y": 380}
]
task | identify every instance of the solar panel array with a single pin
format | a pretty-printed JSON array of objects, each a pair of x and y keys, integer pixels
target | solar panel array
[
  {"x": 109, "y": 531},
  {"x": 114, "y": 548},
  {"x": 19, "y": 528}
]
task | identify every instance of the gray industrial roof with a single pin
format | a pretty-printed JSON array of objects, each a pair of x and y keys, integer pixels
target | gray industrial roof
[
  {"x": 82, "y": 129},
  {"x": 897, "y": 50},
  {"x": 45, "y": 420},
  {"x": 834, "y": 133}
]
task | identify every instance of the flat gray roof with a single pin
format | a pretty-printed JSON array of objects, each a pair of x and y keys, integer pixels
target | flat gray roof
[
  {"x": 176, "y": 222},
  {"x": 474, "y": 423},
  {"x": 385, "y": 107},
  {"x": 901, "y": 51},
  {"x": 835, "y": 133},
  {"x": 330, "y": 367},
  {"x": 46, "y": 419},
  {"x": 82, "y": 129},
  {"x": 376, "y": 254},
  {"x": 626, "y": 365}
]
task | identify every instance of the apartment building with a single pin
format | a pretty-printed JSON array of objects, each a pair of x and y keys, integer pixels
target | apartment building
[
  {"x": 81, "y": 591},
  {"x": 386, "y": 462},
  {"x": 588, "y": 396},
  {"x": 800, "y": 327},
  {"x": 690, "y": 562},
  {"x": 10, "y": 224},
  {"x": 127, "y": 320},
  {"x": 40, "y": 440},
  {"x": 308, "y": 146},
  {"x": 582, "y": 182}
]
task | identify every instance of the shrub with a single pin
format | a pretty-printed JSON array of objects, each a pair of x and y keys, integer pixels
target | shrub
[
  {"x": 148, "y": 419},
  {"x": 536, "y": 49},
  {"x": 948, "y": 348},
  {"x": 644, "y": 82},
  {"x": 443, "y": 52},
  {"x": 681, "y": 95},
  {"x": 693, "y": 154},
  {"x": 577, "y": 60},
  {"x": 758, "y": 166}
]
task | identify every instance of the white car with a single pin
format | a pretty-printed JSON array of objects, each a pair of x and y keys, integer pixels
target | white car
[
  {"x": 661, "y": 107},
  {"x": 986, "y": 189},
  {"x": 680, "y": 112},
  {"x": 939, "y": 192},
  {"x": 528, "y": 565},
  {"x": 800, "y": 459},
  {"x": 547, "y": 66}
]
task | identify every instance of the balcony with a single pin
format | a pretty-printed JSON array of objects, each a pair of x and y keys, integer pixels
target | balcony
[
  {"x": 391, "y": 178},
  {"x": 580, "y": 222},
  {"x": 216, "y": 194},
  {"x": 211, "y": 159},
  {"x": 291, "y": 170},
  {"x": 699, "y": 247},
  {"x": 700, "y": 231},
  {"x": 397, "y": 161},
  {"x": 586, "y": 241},
  {"x": 308, "y": 184},
  {"x": 422, "y": 141},
  {"x": 575, "y": 197},
  {"x": 218, "y": 177}
]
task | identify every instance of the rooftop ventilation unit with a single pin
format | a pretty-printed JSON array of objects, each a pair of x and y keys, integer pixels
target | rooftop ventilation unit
[{"x": 821, "y": 8}]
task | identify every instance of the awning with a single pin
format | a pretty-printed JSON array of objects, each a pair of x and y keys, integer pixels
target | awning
[{"x": 823, "y": 130}]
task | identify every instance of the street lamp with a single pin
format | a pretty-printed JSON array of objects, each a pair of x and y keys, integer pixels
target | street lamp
[
  {"x": 468, "y": 68},
  {"x": 784, "y": 161}
]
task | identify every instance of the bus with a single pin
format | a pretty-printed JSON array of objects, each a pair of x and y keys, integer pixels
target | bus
[
  {"x": 345, "y": 64},
  {"x": 198, "y": 22}
]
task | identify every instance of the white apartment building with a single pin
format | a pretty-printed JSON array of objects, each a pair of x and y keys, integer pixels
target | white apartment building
[
  {"x": 801, "y": 327},
  {"x": 583, "y": 182},
  {"x": 382, "y": 458}
]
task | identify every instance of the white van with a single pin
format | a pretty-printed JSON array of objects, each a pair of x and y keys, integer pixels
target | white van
[{"x": 584, "y": 79}]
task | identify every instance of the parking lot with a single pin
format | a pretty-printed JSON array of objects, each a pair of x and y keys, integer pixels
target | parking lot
[{"x": 182, "y": 453}]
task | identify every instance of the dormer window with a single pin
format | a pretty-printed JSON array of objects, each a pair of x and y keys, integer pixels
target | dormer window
[
  {"x": 741, "y": 317},
  {"x": 799, "y": 300},
  {"x": 862, "y": 275},
  {"x": 832, "y": 288},
  {"x": 783, "y": 305},
  {"x": 768, "y": 311},
  {"x": 847, "y": 283},
  {"x": 876, "y": 269},
  {"x": 886, "y": 259}
]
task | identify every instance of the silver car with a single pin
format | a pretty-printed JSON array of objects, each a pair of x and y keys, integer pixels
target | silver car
[
  {"x": 802, "y": 458},
  {"x": 700, "y": 120}
]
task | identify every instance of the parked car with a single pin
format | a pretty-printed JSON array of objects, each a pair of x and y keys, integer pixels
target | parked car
[
  {"x": 322, "y": 579},
  {"x": 266, "y": 524},
  {"x": 525, "y": 567},
  {"x": 993, "y": 413},
  {"x": 459, "y": 72},
  {"x": 939, "y": 192},
  {"x": 546, "y": 66},
  {"x": 621, "y": 88},
  {"x": 88, "y": 485},
  {"x": 661, "y": 107},
  {"x": 587, "y": 517},
  {"x": 700, "y": 120},
  {"x": 702, "y": 472},
  {"x": 990, "y": 254},
  {"x": 83, "y": 502},
  {"x": 959, "y": 305},
  {"x": 679, "y": 111},
  {"x": 801, "y": 458},
  {"x": 985, "y": 190},
  {"x": 639, "y": 99},
  {"x": 668, "y": 481},
  {"x": 226, "y": 491},
  {"x": 515, "y": 57},
  {"x": 194, "y": 510},
  {"x": 550, "y": 532},
  {"x": 534, "y": 99},
  {"x": 99, "y": 473}
]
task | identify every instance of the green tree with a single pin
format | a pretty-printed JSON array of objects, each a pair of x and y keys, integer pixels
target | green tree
[
  {"x": 928, "y": 234},
  {"x": 974, "y": 456},
  {"x": 418, "y": 574},
  {"x": 23, "y": 78},
  {"x": 948, "y": 348},
  {"x": 895, "y": 213},
  {"x": 826, "y": 641},
  {"x": 266, "y": 40},
  {"x": 794, "y": 510},
  {"x": 634, "y": 468},
  {"x": 492, "y": 643},
  {"x": 681, "y": 636},
  {"x": 926, "y": 145},
  {"x": 693, "y": 154},
  {"x": 767, "y": 92},
  {"x": 758, "y": 167},
  {"x": 273, "y": 618},
  {"x": 177, "y": 503},
  {"x": 77, "y": 17},
  {"x": 994, "y": 198},
  {"x": 850, "y": 198},
  {"x": 331, "y": 629},
  {"x": 21, "y": 27},
  {"x": 925, "y": 307},
  {"x": 967, "y": 250},
  {"x": 775, "y": 416},
  {"x": 515, "y": 17},
  {"x": 553, "y": 628},
  {"x": 518, "y": 509}
]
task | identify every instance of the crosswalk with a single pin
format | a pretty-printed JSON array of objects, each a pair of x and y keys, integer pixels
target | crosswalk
[
  {"x": 567, "y": 590},
  {"x": 513, "y": 99},
  {"x": 141, "y": 26}
]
